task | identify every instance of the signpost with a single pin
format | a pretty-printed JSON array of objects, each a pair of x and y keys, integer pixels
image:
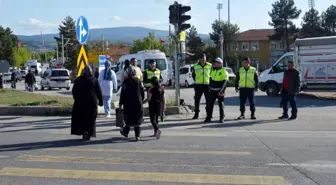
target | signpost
[
  {"x": 102, "y": 59},
  {"x": 82, "y": 33}
]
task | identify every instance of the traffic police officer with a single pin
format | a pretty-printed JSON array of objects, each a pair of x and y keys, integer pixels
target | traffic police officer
[
  {"x": 137, "y": 69},
  {"x": 201, "y": 75},
  {"x": 150, "y": 73},
  {"x": 247, "y": 83},
  {"x": 218, "y": 81}
]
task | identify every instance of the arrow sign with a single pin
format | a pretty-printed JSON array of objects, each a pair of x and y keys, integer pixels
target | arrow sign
[{"x": 82, "y": 30}]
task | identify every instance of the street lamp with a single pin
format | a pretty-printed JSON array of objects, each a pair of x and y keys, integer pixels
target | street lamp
[{"x": 219, "y": 7}]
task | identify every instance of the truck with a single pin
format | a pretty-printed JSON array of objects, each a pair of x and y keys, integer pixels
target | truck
[
  {"x": 34, "y": 66},
  {"x": 315, "y": 58}
]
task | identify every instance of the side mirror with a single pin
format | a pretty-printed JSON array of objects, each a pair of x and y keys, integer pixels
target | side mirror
[{"x": 273, "y": 69}]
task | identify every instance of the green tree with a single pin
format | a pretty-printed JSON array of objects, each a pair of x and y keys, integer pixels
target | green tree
[
  {"x": 194, "y": 45},
  {"x": 230, "y": 33},
  {"x": 148, "y": 43},
  {"x": 68, "y": 30},
  {"x": 211, "y": 52},
  {"x": 49, "y": 54},
  {"x": 282, "y": 14},
  {"x": 8, "y": 42},
  {"x": 21, "y": 55},
  {"x": 329, "y": 21},
  {"x": 311, "y": 25}
]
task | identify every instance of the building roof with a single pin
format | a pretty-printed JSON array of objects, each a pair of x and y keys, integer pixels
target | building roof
[{"x": 255, "y": 35}]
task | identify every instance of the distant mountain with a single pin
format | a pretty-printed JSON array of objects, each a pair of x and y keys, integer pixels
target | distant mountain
[{"x": 118, "y": 34}]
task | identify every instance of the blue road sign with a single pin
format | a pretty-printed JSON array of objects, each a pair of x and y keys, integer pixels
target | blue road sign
[
  {"x": 82, "y": 30},
  {"x": 102, "y": 59}
]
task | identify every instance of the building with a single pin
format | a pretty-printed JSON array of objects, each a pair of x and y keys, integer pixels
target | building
[{"x": 256, "y": 45}]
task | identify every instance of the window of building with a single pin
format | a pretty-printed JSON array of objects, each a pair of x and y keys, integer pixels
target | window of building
[
  {"x": 234, "y": 46},
  {"x": 255, "y": 46},
  {"x": 255, "y": 62},
  {"x": 245, "y": 46},
  {"x": 273, "y": 45},
  {"x": 282, "y": 45}
]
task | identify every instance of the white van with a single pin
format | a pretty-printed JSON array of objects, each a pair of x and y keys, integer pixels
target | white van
[
  {"x": 55, "y": 78},
  {"x": 315, "y": 58},
  {"x": 143, "y": 59},
  {"x": 34, "y": 66}
]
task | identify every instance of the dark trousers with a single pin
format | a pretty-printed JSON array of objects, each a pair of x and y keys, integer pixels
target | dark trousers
[
  {"x": 213, "y": 96},
  {"x": 244, "y": 94},
  {"x": 154, "y": 113},
  {"x": 127, "y": 129},
  {"x": 199, "y": 91},
  {"x": 14, "y": 84},
  {"x": 291, "y": 98}
]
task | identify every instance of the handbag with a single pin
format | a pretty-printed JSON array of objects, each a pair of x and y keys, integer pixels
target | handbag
[{"x": 120, "y": 122}]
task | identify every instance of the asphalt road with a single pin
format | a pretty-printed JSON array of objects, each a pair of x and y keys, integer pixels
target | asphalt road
[{"x": 40, "y": 151}]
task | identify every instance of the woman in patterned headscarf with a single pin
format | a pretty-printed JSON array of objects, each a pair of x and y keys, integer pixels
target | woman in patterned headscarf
[
  {"x": 131, "y": 99},
  {"x": 87, "y": 95},
  {"x": 108, "y": 83}
]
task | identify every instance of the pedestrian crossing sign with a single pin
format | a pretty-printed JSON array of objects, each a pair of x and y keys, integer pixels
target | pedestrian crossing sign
[{"x": 82, "y": 60}]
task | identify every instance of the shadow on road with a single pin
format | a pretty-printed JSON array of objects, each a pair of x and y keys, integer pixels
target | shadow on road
[
  {"x": 274, "y": 102},
  {"x": 238, "y": 123}
]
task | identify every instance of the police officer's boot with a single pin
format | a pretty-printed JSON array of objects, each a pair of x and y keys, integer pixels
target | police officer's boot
[
  {"x": 195, "y": 115},
  {"x": 242, "y": 116},
  {"x": 253, "y": 116}
]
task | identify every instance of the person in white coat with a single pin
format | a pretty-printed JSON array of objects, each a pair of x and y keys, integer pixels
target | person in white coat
[{"x": 108, "y": 83}]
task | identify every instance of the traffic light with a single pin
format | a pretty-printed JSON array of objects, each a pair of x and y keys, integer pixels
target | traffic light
[
  {"x": 173, "y": 13},
  {"x": 182, "y": 18}
]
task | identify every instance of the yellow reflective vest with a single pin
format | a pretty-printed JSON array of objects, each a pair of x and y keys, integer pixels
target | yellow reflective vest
[
  {"x": 246, "y": 77},
  {"x": 150, "y": 75},
  {"x": 202, "y": 73},
  {"x": 138, "y": 73}
]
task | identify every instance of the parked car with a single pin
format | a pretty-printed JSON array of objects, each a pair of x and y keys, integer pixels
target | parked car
[
  {"x": 23, "y": 73},
  {"x": 232, "y": 76},
  {"x": 55, "y": 78},
  {"x": 7, "y": 77},
  {"x": 186, "y": 79}
]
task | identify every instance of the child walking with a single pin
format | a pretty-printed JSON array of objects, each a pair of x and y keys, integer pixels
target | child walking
[{"x": 156, "y": 102}]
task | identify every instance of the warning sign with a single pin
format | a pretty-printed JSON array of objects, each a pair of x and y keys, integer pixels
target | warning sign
[{"x": 82, "y": 61}]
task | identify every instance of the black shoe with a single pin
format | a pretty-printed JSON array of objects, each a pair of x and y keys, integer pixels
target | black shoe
[
  {"x": 292, "y": 118},
  {"x": 221, "y": 120},
  {"x": 123, "y": 134},
  {"x": 137, "y": 139},
  {"x": 283, "y": 117},
  {"x": 86, "y": 136},
  {"x": 207, "y": 120},
  {"x": 253, "y": 116},
  {"x": 195, "y": 116},
  {"x": 241, "y": 117}
]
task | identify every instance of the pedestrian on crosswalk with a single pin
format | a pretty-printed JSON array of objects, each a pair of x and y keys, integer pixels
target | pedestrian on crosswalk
[
  {"x": 87, "y": 95},
  {"x": 156, "y": 102},
  {"x": 131, "y": 101}
]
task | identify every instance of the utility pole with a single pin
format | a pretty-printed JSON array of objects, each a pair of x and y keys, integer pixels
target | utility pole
[
  {"x": 62, "y": 37},
  {"x": 103, "y": 43},
  {"x": 219, "y": 7},
  {"x": 229, "y": 11},
  {"x": 57, "y": 51}
]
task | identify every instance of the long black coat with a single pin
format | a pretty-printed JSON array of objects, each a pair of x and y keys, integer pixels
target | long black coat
[
  {"x": 131, "y": 97},
  {"x": 87, "y": 95}
]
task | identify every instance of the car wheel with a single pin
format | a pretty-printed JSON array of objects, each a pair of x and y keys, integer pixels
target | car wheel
[
  {"x": 42, "y": 88},
  {"x": 49, "y": 88},
  {"x": 186, "y": 84},
  {"x": 272, "y": 90},
  {"x": 68, "y": 88}
]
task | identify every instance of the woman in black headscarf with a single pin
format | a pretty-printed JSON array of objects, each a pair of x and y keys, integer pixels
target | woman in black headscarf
[
  {"x": 131, "y": 99},
  {"x": 87, "y": 95}
]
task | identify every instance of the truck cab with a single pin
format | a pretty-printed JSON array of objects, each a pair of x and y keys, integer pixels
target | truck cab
[{"x": 270, "y": 80}]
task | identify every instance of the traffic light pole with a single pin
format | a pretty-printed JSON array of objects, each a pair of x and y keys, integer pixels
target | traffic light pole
[{"x": 177, "y": 68}]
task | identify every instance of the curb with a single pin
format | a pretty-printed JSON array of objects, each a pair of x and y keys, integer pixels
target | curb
[
  {"x": 66, "y": 111},
  {"x": 314, "y": 96}
]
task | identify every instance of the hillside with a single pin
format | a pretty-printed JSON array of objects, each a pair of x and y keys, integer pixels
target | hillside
[{"x": 118, "y": 34}]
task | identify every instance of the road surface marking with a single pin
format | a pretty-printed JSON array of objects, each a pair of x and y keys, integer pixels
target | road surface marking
[
  {"x": 122, "y": 161},
  {"x": 287, "y": 131},
  {"x": 144, "y": 176},
  {"x": 304, "y": 165},
  {"x": 2, "y": 156},
  {"x": 169, "y": 133},
  {"x": 148, "y": 151}
]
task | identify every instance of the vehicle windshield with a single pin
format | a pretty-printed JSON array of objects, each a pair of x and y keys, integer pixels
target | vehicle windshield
[
  {"x": 59, "y": 73},
  {"x": 32, "y": 66},
  {"x": 160, "y": 63},
  {"x": 229, "y": 70}
]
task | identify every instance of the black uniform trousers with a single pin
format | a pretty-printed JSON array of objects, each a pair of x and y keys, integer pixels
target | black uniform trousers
[
  {"x": 213, "y": 96},
  {"x": 291, "y": 98},
  {"x": 199, "y": 91},
  {"x": 244, "y": 94}
]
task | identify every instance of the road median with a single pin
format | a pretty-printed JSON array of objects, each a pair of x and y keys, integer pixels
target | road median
[
  {"x": 19, "y": 103},
  {"x": 331, "y": 95}
]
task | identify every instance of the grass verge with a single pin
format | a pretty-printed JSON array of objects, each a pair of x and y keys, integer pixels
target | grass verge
[{"x": 21, "y": 98}]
